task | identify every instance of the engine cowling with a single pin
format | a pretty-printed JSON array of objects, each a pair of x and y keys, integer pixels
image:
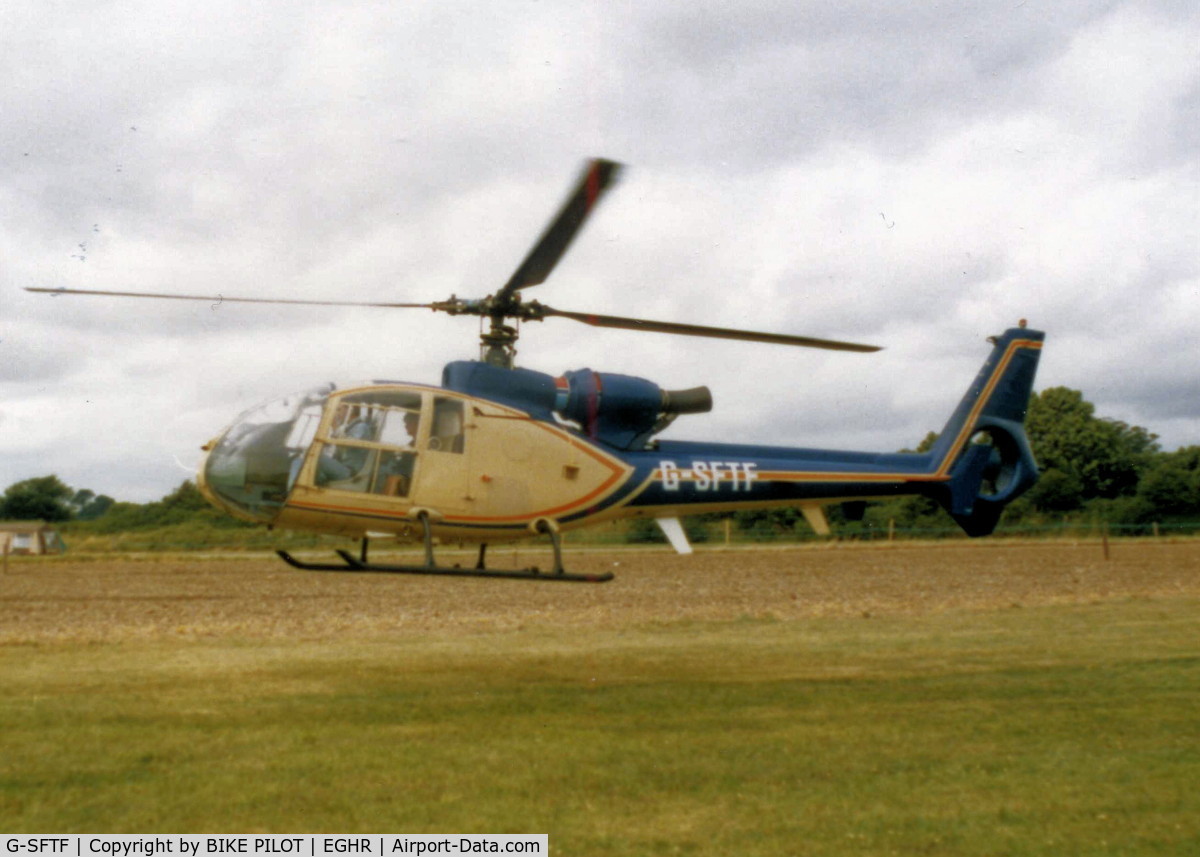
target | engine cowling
[
  {"x": 622, "y": 410},
  {"x": 619, "y": 410}
]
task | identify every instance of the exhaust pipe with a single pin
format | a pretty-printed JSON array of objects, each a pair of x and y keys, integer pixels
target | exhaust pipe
[{"x": 697, "y": 400}]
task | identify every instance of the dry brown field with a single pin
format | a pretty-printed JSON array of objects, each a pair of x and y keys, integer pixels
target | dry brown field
[{"x": 171, "y": 597}]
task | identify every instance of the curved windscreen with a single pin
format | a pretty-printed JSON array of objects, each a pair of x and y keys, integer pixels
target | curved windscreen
[{"x": 251, "y": 469}]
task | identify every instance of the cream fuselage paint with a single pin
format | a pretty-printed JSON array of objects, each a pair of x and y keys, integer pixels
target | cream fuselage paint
[{"x": 509, "y": 472}]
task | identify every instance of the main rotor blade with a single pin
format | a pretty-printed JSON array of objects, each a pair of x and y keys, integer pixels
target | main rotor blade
[
  {"x": 219, "y": 299},
  {"x": 597, "y": 177},
  {"x": 711, "y": 332}
]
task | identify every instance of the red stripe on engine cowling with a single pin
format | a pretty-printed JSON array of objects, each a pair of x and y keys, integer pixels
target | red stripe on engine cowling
[{"x": 593, "y": 186}]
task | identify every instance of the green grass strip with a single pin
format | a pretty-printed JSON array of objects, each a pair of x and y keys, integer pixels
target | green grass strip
[{"x": 1020, "y": 732}]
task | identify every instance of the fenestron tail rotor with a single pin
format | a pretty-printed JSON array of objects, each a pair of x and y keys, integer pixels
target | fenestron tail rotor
[{"x": 499, "y": 339}]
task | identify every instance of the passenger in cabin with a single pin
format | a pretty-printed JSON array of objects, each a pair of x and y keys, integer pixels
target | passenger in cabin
[
  {"x": 446, "y": 433},
  {"x": 396, "y": 468}
]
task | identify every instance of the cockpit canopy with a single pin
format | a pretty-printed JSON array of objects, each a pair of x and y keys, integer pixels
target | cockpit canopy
[{"x": 251, "y": 468}]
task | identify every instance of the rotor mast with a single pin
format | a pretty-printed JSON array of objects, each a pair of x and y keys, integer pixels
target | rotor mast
[
  {"x": 498, "y": 344},
  {"x": 498, "y": 341}
]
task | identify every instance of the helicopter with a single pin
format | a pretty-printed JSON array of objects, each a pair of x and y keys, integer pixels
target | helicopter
[{"x": 497, "y": 453}]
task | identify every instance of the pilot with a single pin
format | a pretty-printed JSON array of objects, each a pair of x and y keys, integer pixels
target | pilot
[
  {"x": 345, "y": 462},
  {"x": 353, "y": 423}
]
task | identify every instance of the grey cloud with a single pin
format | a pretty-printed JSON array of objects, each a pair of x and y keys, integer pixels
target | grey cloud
[{"x": 768, "y": 83}]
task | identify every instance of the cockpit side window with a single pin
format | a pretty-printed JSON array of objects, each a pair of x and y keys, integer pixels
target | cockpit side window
[{"x": 373, "y": 436}]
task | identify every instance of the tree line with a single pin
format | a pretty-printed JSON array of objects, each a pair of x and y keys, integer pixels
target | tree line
[
  {"x": 1093, "y": 468},
  {"x": 48, "y": 498}
]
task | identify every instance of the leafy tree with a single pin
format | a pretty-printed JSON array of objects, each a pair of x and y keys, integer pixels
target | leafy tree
[
  {"x": 646, "y": 531},
  {"x": 184, "y": 504},
  {"x": 95, "y": 508},
  {"x": 1105, "y": 457},
  {"x": 86, "y": 505},
  {"x": 1172, "y": 485},
  {"x": 643, "y": 531},
  {"x": 912, "y": 512},
  {"x": 185, "y": 498},
  {"x": 1132, "y": 513},
  {"x": 44, "y": 498},
  {"x": 926, "y": 443},
  {"x": 1056, "y": 491},
  {"x": 767, "y": 524}
]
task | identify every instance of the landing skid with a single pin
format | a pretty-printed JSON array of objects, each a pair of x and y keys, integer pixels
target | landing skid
[{"x": 361, "y": 564}]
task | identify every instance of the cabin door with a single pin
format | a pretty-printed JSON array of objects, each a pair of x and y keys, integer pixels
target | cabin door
[{"x": 443, "y": 457}]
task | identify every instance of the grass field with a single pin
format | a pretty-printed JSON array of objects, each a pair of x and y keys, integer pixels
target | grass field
[{"x": 954, "y": 700}]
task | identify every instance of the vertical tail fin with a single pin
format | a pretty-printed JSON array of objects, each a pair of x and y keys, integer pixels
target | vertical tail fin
[{"x": 983, "y": 448}]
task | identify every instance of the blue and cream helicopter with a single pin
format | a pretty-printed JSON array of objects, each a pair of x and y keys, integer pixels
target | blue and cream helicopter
[{"x": 498, "y": 453}]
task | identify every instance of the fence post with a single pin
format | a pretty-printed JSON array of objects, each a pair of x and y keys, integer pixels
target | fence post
[{"x": 1104, "y": 539}]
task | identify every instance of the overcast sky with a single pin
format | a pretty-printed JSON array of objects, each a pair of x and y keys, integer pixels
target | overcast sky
[{"x": 918, "y": 176}]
